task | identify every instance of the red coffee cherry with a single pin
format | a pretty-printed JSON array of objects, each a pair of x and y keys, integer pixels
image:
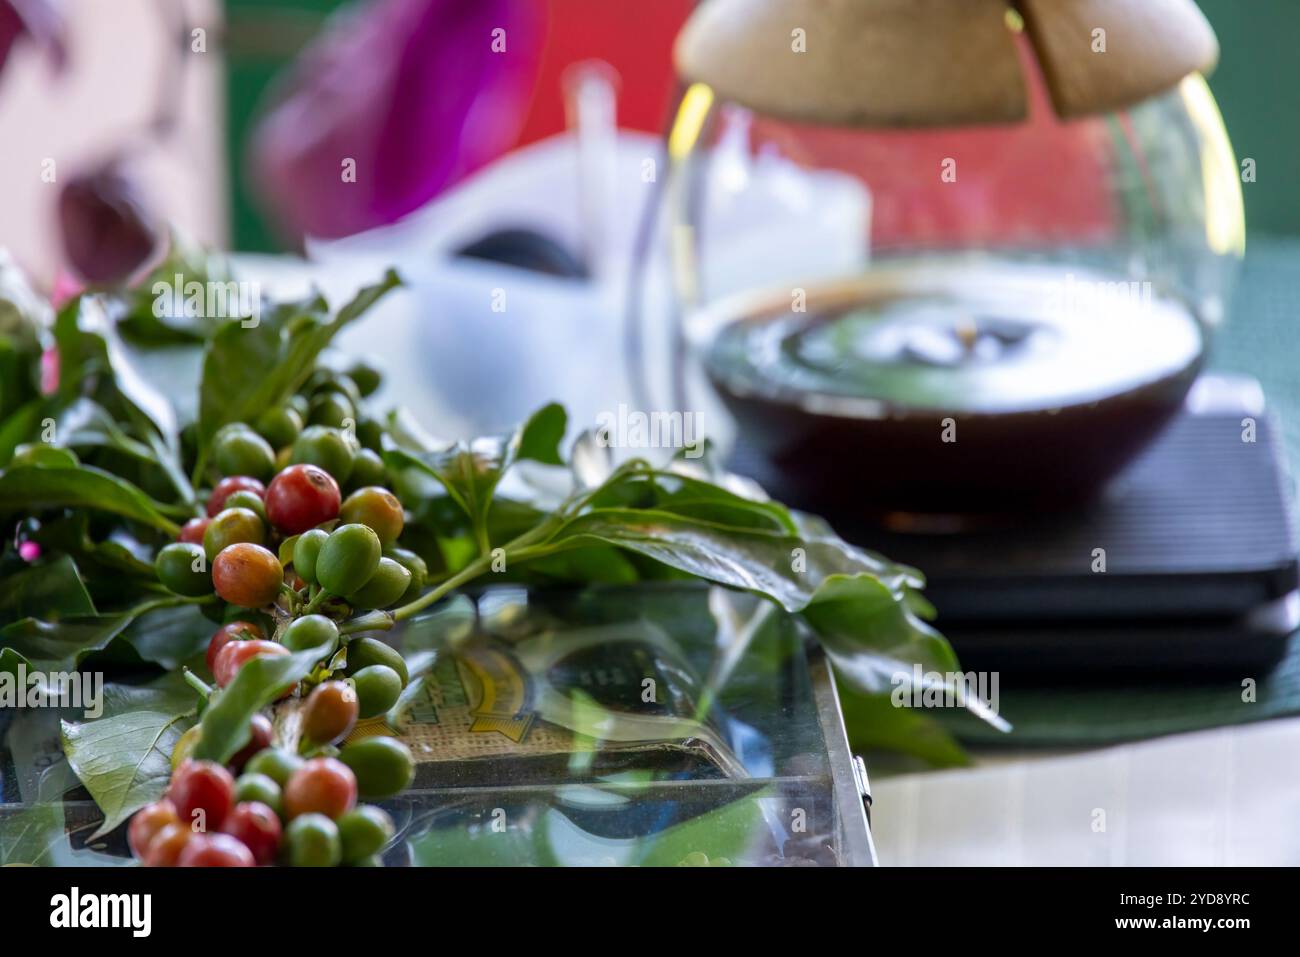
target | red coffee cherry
[
  {"x": 321, "y": 786},
  {"x": 235, "y": 631},
  {"x": 146, "y": 823},
  {"x": 215, "y": 850},
  {"x": 203, "y": 792},
  {"x": 302, "y": 497},
  {"x": 260, "y": 735},
  {"x": 238, "y": 653},
  {"x": 167, "y": 845},
  {"x": 247, "y": 575},
  {"x": 255, "y": 826},
  {"x": 192, "y": 531},
  {"x": 330, "y": 712},
  {"x": 228, "y": 487}
]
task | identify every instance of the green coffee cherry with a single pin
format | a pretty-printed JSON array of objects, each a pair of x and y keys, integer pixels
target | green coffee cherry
[
  {"x": 348, "y": 559},
  {"x": 332, "y": 409},
  {"x": 370, "y": 434},
  {"x": 313, "y": 841},
  {"x": 249, "y": 500},
  {"x": 182, "y": 567},
  {"x": 386, "y": 585},
  {"x": 276, "y": 763},
  {"x": 279, "y": 425},
  {"x": 238, "y": 450},
  {"x": 367, "y": 377},
  {"x": 327, "y": 382},
  {"x": 364, "y": 652},
  {"x": 363, "y": 832},
  {"x": 325, "y": 448},
  {"x": 306, "y": 552},
  {"x": 310, "y": 631},
  {"x": 319, "y": 379},
  {"x": 258, "y": 787},
  {"x": 383, "y": 766},
  {"x": 414, "y": 564},
  {"x": 378, "y": 688},
  {"x": 230, "y": 527},
  {"x": 367, "y": 469}
]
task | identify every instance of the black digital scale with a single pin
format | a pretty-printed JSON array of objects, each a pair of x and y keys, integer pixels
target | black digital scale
[{"x": 1197, "y": 538}]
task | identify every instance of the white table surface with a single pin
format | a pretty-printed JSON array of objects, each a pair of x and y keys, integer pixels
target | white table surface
[{"x": 1229, "y": 796}]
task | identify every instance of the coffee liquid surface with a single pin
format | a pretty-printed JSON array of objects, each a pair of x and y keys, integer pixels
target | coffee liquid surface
[{"x": 998, "y": 341}]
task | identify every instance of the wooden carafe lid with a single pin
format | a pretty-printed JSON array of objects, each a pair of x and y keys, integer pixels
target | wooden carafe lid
[{"x": 908, "y": 63}]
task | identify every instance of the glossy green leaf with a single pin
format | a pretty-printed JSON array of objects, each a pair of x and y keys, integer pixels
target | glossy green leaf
[
  {"x": 42, "y": 835},
  {"x": 42, "y": 456},
  {"x": 874, "y": 724},
  {"x": 49, "y": 591},
  {"x": 857, "y": 603},
  {"x": 184, "y": 264},
  {"x": 875, "y": 642},
  {"x": 169, "y": 637},
  {"x": 247, "y": 370},
  {"x": 102, "y": 562},
  {"x": 785, "y": 568},
  {"x": 65, "y": 644},
  {"x": 470, "y": 472},
  {"x": 10, "y": 661},
  {"x": 124, "y": 757},
  {"x": 31, "y": 836},
  {"x": 86, "y": 423},
  {"x": 92, "y": 362},
  {"x": 257, "y": 684},
  {"x": 688, "y": 495},
  {"x": 28, "y": 488},
  {"x": 21, "y": 427}
]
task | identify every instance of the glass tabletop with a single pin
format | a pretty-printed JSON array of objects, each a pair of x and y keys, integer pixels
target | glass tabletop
[{"x": 660, "y": 724}]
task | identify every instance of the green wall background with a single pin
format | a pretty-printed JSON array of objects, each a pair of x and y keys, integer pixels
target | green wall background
[
  {"x": 1258, "y": 87},
  {"x": 261, "y": 38}
]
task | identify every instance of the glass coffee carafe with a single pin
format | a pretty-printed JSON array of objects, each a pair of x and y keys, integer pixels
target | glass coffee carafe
[{"x": 957, "y": 319}]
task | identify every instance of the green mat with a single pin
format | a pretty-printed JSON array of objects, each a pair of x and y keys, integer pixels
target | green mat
[
  {"x": 1262, "y": 339},
  {"x": 1076, "y": 717}
]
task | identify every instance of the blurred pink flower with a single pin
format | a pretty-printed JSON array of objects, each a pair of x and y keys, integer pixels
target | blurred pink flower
[
  {"x": 50, "y": 371},
  {"x": 66, "y": 286},
  {"x": 39, "y": 20},
  {"x": 29, "y": 551},
  {"x": 413, "y": 95}
]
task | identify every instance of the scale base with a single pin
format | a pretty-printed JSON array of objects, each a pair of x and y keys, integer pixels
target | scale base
[{"x": 1186, "y": 563}]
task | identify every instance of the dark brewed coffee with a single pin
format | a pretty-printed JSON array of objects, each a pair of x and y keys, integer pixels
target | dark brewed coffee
[{"x": 938, "y": 390}]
